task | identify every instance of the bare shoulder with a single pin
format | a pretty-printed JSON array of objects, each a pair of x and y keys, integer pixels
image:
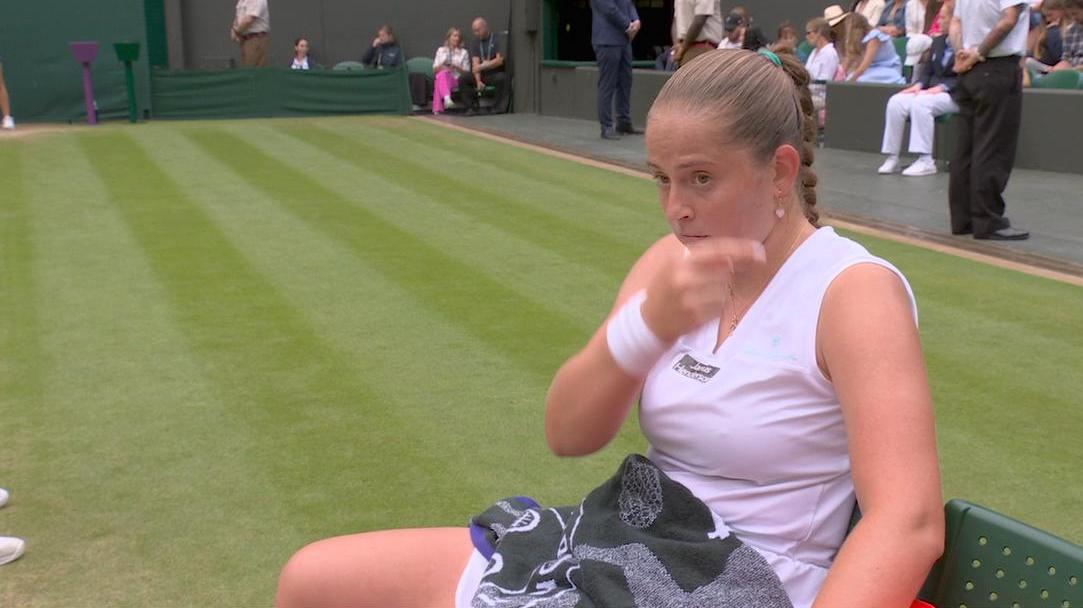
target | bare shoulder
[{"x": 866, "y": 308}]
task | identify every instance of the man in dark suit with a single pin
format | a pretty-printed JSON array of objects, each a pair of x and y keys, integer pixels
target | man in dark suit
[{"x": 614, "y": 24}]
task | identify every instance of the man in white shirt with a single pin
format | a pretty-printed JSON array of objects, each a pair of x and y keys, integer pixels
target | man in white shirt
[
  {"x": 699, "y": 28},
  {"x": 251, "y": 29},
  {"x": 991, "y": 36}
]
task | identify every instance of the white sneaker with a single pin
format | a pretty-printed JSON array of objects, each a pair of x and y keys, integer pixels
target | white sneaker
[
  {"x": 890, "y": 165},
  {"x": 920, "y": 167},
  {"x": 4, "y": 496},
  {"x": 9, "y": 122},
  {"x": 11, "y": 548}
]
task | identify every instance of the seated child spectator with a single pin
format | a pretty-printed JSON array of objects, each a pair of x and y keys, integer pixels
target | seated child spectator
[
  {"x": 870, "y": 54},
  {"x": 384, "y": 52},
  {"x": 921, "y": 102},
  {"x": 734, "y": 26},
  {"x": 302, "y": 59},
  {"x": 822, "y": 63},
  {"x": 787, "y": 36},
  {"x": 452, "y": 61}
]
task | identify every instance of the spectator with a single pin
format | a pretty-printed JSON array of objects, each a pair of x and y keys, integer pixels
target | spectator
[
  {"x": 990, "y": 38},
  {"x": 921, "y": 103},
  {"x": 302, "y": 59},
  {"x": 614, "y": 24},
  {"x": 893, "y": 20},
  {"x": 10, "y": 547},
  {"x": 870, "y": 9},
  {"x": 452, "y": 61},
  {"x": 1045, "y": 43},
  {"x": 5, "y": 101},
  {"x": 487, "y": 68},
  {"x": 734, "y": 26},
  {"x": 251, "y": 29},
  {"x": 822, "y": 65},
  {"x": 839, "y": 22},
  {"x": 870, "y": 54},
  {"x": 699, "y": 28},
  {"x": 787, "y": 37},
  {"x": 384, "y": 51},
  {"x": 920, "y": 15},
  {"x": 823, "y": 62},
  {"x": 1072, "y": 55}
]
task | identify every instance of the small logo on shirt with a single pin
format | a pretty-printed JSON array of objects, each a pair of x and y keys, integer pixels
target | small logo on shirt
[{"x": 690, "y": 368}]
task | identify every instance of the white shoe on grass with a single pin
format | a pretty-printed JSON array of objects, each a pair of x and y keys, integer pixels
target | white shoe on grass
[
  {"x": 11, "y": 548},
  {"x": 921, "y": 167},
  {"x": 890, "y": 165},
  {"x": 4, "y": 496},
  {"x": 9, "y": 122}
]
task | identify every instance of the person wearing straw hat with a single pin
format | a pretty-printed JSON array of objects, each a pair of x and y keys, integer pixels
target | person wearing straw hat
[{"x": 836, "y": 19}]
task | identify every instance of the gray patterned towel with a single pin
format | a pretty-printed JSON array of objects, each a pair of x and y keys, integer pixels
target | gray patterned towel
[{"x": 640, "y": 539}]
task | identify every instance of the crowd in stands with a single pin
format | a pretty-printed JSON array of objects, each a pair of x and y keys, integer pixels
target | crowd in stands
[
  {"x": 902, "y": 42},
  {"x": 461, "y": 73}
]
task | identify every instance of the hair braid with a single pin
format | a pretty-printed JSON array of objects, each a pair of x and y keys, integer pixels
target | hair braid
[{"x": 807, "y": 179}]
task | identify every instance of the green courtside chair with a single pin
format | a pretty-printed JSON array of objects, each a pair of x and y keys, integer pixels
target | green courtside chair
[
  {"x": 1060, "y": 79},
  {"x": 349, "y": 66},
  {"x": 420, "y": 65},
  {"x": 991, "y": 561}
]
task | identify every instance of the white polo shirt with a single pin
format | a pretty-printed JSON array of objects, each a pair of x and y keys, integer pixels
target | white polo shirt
[
  {"x": 684, "y": 11},
  {"x": 978, "y": 17}
]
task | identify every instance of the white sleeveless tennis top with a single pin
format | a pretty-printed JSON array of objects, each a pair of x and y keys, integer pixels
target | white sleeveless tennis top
[{"x": 755, "y": 430}]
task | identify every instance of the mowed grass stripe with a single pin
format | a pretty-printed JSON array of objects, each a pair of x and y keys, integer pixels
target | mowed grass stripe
[
  {"x": 568, "y": 186},
  {"x": 467, "y": 190},
  {"x": 316, "y": 417},
  {"x": 459, "y": 394},
  {"x": 534, "y": 272},
  {"x": 525, "y": 331},
  {"x": 131, "y": 443}
]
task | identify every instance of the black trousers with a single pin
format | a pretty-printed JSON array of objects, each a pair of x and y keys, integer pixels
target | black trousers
[
  {"x": 420, "y": 89},
  {"x": 614, "y": 85},
  {"x": 468, "y": 89},
  {"x": 990, "y": 98}
]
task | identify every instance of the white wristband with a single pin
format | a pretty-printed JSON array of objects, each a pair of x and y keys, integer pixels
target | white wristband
[{"x": 633, "y": 345}]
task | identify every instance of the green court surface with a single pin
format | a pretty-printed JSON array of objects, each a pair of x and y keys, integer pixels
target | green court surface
[{"x": 222, "y": 340}]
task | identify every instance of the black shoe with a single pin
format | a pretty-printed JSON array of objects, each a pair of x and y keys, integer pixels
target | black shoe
[
  {"x": 1004, "y": 234},
  {"x": 967, "y": 230},
  {"x": 610, "y": 134},
  {"x": 628, "y": 130},
  {"x": 471, "y": 112}
]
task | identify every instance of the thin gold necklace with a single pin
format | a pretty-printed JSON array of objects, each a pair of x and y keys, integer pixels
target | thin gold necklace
[{"x": 734, "y": 316}]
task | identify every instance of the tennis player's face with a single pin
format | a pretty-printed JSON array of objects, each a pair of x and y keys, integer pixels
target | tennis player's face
[{"x": 708, "y": 188}]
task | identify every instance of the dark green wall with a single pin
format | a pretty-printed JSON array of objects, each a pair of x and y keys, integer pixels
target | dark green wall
[{"x": 43, "y": 78}]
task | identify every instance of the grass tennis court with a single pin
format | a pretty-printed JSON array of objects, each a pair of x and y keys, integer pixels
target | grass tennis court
[{"x": 222, "y": 340}]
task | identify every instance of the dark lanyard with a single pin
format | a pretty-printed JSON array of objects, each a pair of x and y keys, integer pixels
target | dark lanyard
[{"x": 486, "y": 55}]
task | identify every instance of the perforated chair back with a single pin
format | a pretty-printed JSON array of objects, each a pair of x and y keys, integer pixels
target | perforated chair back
[
  {"x": 420, "y": 65},
  {"x": 1060, "y": 79},
  {"x": 992, "y": 560}
]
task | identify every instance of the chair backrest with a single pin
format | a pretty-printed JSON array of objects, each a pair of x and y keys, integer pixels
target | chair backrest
[
  {"x": 1059, "y": 79},
  {"x": 420, "y": 65},
  {"x": 349, "y": 65},
  {"x": 994, "y": 560},
  {"x": 900, "y": 47}
]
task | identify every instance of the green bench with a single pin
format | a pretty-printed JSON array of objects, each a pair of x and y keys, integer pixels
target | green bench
[{"x": 991, "y": 560}]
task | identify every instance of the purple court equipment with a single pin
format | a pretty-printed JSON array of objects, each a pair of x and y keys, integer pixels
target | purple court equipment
[{"x": 85, "y": 53}]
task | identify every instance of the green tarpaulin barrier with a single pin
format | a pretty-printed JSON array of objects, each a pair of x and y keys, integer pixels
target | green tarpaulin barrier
[{"x": 263, "y": 92}]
